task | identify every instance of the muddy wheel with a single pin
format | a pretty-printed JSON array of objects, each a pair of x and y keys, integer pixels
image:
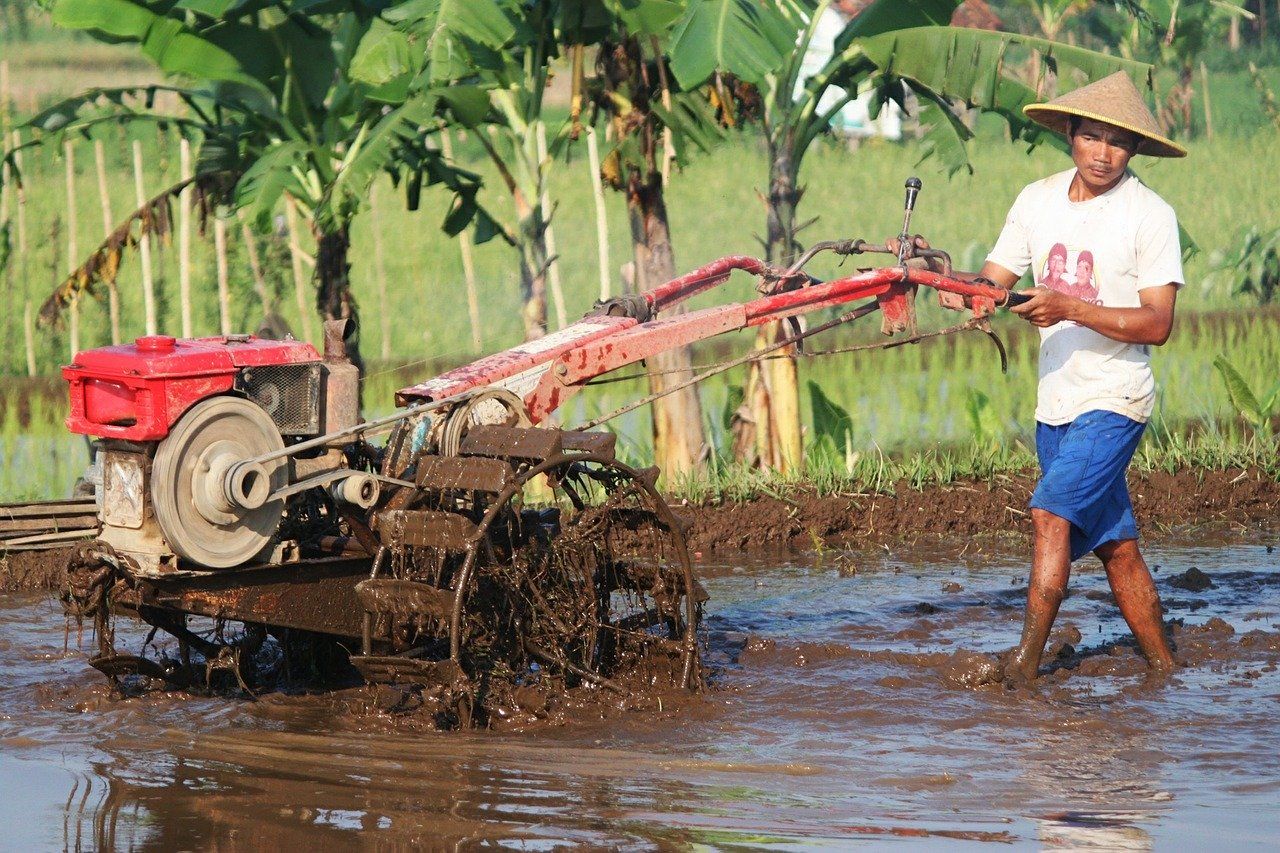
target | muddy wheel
[{"x": 589, "y": 584}]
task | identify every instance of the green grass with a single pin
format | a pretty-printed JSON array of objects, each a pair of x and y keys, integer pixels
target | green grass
[{"x": 39, "y": 459}]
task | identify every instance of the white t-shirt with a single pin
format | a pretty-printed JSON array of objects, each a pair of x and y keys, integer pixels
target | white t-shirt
[{"x": 1104, "y": 251}]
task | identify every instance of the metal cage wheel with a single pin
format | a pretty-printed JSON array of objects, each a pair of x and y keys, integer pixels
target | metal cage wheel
[{"x": 591, "y": 588}]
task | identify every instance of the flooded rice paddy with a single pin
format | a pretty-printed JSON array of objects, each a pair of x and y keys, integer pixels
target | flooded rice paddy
[{"x": 843, "y": 710}]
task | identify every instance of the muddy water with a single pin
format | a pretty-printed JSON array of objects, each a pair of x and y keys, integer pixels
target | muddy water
[{"x": 845, "y": 709}]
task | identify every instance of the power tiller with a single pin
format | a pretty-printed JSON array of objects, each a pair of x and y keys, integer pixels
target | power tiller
[{"x": 469, "y": 553}]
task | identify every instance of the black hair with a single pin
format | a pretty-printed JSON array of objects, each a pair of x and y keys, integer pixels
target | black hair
[{"x": 1073, "y": 128}]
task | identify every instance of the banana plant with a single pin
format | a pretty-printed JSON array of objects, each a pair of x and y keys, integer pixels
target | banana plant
[
  {"x": 1252, "y": 268},
  {"x": 504, "y": 90},
  {"x": 270, "y": 95},
  {"x": 1257, "y": 410},
  {"x": 633, "y": 95}
]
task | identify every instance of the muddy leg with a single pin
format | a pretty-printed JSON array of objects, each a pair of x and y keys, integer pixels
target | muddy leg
[
  {"x": 1050, "y": 568},
  {"x": 1135, "y": 593}
]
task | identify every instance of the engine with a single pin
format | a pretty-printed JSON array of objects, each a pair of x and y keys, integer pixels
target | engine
[{"x": 180, "y": 424}]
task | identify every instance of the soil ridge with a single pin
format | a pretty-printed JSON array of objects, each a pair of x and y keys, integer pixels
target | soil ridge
[{"x": 802, "y": 519}]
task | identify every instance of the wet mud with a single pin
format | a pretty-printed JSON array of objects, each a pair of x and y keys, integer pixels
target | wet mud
[
  {"x": 34, "y": 569},
  {"x": 964, "y": 510},
  {"x": 854, "y": 697},
  {"x": 958, "y": 512}
]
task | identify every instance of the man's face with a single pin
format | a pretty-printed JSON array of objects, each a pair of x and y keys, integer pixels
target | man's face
[
  {"x": 1057, "y": 263},
  {"x": 1101, "y": 152},
  {"x": 1084, "y": 269}
]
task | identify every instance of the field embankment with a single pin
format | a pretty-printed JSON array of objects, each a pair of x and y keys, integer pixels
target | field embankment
[{"x": 961, "y": 511}]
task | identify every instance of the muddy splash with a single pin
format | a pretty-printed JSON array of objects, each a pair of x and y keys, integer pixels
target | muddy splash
[{"x": 851, "y": 703}]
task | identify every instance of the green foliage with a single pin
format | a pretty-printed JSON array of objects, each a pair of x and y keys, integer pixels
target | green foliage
[
  {"x": 6, "y": 244},
  {"x": 832, "y": 426},
  {"x": 458, "y": 36},
  {"x": 744, "y": 38},
  {"x": 735, "y": 395},
  {"x": 1256, "y": 409},
  {"x": 1265, "y": 96},
  {"x": 294, "y": 99},
  {"x": 983, "y": 420},
  {"x": 944, "y": 63},
  {"x": 1253, "y": 268}
]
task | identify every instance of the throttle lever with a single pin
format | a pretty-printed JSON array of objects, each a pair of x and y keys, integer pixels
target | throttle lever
[
  {"x": 905, "y": 246},
  {"x": 1011, "y": 297}
]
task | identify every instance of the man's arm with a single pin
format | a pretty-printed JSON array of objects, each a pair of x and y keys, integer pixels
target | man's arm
[
  {"x": 1149, "y": 323},
  {"x": 999, "y": 275}
]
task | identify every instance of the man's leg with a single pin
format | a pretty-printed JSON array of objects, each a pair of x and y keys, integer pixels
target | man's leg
[
  {"x": 1135, "y": 592},
  {"x": 1050, "y": 569}
]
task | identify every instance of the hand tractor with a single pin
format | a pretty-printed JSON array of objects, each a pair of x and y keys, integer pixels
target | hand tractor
[{"x": 469, "y": 551}]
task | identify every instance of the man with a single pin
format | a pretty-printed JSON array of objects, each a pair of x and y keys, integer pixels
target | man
[
  {"x": 1054, "y": 268},
  {"x": 1096, "y": 389},
  {"x": 1082, "y": 287}
]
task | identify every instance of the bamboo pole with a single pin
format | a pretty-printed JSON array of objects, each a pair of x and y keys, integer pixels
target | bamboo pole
[
  {"x": 108, "y": 221},
  {"x": 184, "y": 239},
  {"x": 468, "y": 263},
  {"x": 29, "y": 336},
  {"x": 28, "y": 324},
  {"x": 73, "y": 251},
  {"x": 380, "y": 273},
  {"x": 602, "y": 222},
  {"x": 144, "y": 247},
  {"x": 5, "y": 117},
  {"x": 5, "y": 192},
  {"x": 224, "y": 288},
  {"x": 299, "y": 278},
  {"x": 1208, "y": 113},
  {"x": 255, "y": 265},
  {"x": 557, "y": 289}
]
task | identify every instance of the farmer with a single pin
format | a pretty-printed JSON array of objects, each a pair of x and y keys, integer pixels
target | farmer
[{"x": 1096, "y": 389}]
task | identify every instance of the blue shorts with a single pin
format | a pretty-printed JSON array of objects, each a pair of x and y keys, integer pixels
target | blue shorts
[{"x": 1082, "y": 479}]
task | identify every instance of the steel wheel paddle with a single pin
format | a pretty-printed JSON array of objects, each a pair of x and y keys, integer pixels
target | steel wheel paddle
[{"x": 590, "y": 584}]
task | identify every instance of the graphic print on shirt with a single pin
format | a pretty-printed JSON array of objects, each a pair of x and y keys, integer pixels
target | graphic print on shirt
[{"x": 1070, "y": 271}]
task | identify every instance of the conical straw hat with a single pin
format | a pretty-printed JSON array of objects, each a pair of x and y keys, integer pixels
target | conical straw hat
[{"x": 1114, "y": 100}]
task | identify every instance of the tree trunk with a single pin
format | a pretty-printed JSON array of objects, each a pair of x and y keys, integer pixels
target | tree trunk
[
  {"x": 333, "y": 294},
  {"x": 531, "y": 237},
  {"x": 766, "y": 429},
  {"x": 678, "y": 439}
]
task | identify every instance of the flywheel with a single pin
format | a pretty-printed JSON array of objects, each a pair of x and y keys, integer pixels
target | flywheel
[{"x": 188, "y": 474}]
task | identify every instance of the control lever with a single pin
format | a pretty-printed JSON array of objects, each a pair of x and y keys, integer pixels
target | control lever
[{"x": 905, "y": 246}]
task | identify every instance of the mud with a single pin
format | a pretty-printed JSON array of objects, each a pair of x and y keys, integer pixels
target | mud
[
  {"x": 965, "y": 510},
  {"x": 34, "y": 569},
  {"x": 983, "y": 512},
  {"x": 854, "y": 699}
]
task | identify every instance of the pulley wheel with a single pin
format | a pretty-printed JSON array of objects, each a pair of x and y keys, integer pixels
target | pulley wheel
[{"x": 200, "y": 523}]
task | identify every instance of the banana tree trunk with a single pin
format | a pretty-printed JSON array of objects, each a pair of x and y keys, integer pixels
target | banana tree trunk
[
  {"x": 531, "y": 241},
  {"x": 678, "y": 438},
  {"x": 766, "y": 430},
  {"x": 333, "y": 294}
]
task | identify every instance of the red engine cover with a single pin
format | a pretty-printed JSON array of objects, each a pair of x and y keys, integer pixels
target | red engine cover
[{"x": 137, "y": 391}]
